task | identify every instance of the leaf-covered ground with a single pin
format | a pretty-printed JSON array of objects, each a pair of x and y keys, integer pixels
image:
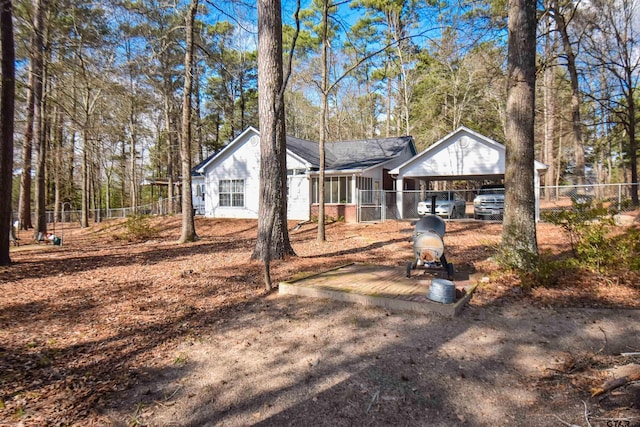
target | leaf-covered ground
[{"x": 107, "y": 331}]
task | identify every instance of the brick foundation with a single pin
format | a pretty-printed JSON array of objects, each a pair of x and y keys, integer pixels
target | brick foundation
[{"x": 337, "y": 211}]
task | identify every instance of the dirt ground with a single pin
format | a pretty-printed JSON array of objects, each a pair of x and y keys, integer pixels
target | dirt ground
[{"x": 104, "y": 331}]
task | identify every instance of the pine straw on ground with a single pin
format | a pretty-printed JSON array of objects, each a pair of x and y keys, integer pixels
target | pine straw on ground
[{"x": 84, "y": 324}]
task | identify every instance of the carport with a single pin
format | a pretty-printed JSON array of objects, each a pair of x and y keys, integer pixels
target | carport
[{"x": 461, "y": 155}]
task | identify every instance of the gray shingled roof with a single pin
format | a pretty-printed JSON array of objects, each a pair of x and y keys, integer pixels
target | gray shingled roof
[
  {"x": 307, "y": 150},
  {"x": 343, "y": 155},
  {"x": 366, "y": 153},
  {"x": 351, "y": 155}
]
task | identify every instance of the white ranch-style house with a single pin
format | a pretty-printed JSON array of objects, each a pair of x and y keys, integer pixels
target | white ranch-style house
[
  {"x": 226, "y": 184},
  {"x": 364, "y": 180}
]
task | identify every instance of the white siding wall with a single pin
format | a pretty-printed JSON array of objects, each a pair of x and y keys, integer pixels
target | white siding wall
[
  {"x": 463, "y": 156},
  {"x": 240, "y": 162},
  {"x": 299, "y": 185},
  {"x": 298, "y": 206},
  {"x": 375, "y": 173},
  {"x": 198, "y": 201}
]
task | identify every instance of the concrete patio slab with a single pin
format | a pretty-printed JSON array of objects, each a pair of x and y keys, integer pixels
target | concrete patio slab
[{"x": 383, "y": 286}]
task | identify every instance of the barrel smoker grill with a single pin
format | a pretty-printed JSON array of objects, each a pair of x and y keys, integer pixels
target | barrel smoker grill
[{"x": 428, "y": 246}]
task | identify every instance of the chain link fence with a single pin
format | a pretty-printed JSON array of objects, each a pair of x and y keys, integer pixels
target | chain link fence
[
  {"x": 487, "y": 203},
  {"x": 70, "y": 215},
  {"x": 614, "y": 198},
  {"x": 380, "y": 205}
]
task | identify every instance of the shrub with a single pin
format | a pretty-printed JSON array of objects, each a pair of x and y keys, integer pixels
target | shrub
[
  {"x": 593, "y": 247},
  {"x": 548, "y": 272},
  {"x": 138, "y": 227},
  {"x": 627, "y": 249},
  {"x": 588, "y": 229}
]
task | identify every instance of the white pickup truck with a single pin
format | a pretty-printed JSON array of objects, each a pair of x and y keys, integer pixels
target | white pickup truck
[{"x": 489, "y": 203}]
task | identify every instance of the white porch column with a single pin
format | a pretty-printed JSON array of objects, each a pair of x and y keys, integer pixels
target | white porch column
[
  {"x": 354, "y": 196},
  {"x": 399, "y": 193},
  {"x": 536, "y": 188}
]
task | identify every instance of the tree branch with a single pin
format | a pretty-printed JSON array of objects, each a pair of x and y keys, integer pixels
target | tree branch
[{"x": 291, "y": 50}]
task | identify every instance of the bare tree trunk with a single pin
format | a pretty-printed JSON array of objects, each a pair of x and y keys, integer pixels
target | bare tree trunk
[
  {"x": 324, "y": 118},
  {"x": 96, "y": 184},
  {"x": 107, "y": 194},
  {"x": 58, "y": 162},
  {"x": 133, "y": 130},
  {"x": 387, "y": 69},
  {"x": 7, "y": 102},
  {"x": 188, "y": 226},
  {"x": 269, "y": 81},
  {"x": 606, "y": 134},
  {"x": 273, "y": 237},
  {"x": 575, "y": 94},
  {"x": 549, "y": 108},
  {"x": 243, "y": 100},
  {"x": 167, "y": 118},
  {"x": 405, "y": 91},
  {"x": 122, "y": 164},
  {"x": 633, "y": 144},
  {"x": 133, "y": 178},
  {"x": 24, "y": 202},
  {"x": 559, "y": 159},
  {"x": 198, "y": 113},
  {"x": 38, "y": 119},
  {"x": 549, "y": 131},
  {"x": 133, "y": 184},
  {"x": 399, "y": 102},
  {"x": 84, "y": 214},
  {"x": 90, "y": 99},
  {"x": 71, "y": 155},
  {"x": 519, "y": 244},
  {"x": 372, "y": 113}
]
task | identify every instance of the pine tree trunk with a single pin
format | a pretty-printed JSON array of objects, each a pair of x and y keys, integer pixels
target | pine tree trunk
[
  {"x": 273, "y": 236},
  {"x": 7, "y": 102},
  {"x": 324, "y": 118},
  {"x": 38, "y": 119},
  {"x": 132, "y": 168},
  {"x": 576, "y": 121},
  {"x": 198, "y": 118},
  {"x": 96, "y": 183},
  {"x": 24, "y": 202},
  {"x": 69, "y": 183},
  {"x": 188, "y": 226},
  {"x": 633, "y": 145},
  {"x": 519, "y": 244},
  {"x": 549, "y": 108},
  {"x": 387, "y": 70},
  {"x": 84, "y": 209},
  {"x": 58, "y": 162},
  {"x": 167, "y": 119},
  {"x": 122, "y": 163},
  {"x": 133, "y": 178}
]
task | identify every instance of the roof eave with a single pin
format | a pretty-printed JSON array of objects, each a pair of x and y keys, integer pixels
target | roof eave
[
  {"x": 382, "y": 163},
  {"x": 338, "y": 171}
]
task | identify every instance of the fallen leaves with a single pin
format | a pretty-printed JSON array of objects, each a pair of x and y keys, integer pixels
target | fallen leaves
[{"x": 82, "y": 323}]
